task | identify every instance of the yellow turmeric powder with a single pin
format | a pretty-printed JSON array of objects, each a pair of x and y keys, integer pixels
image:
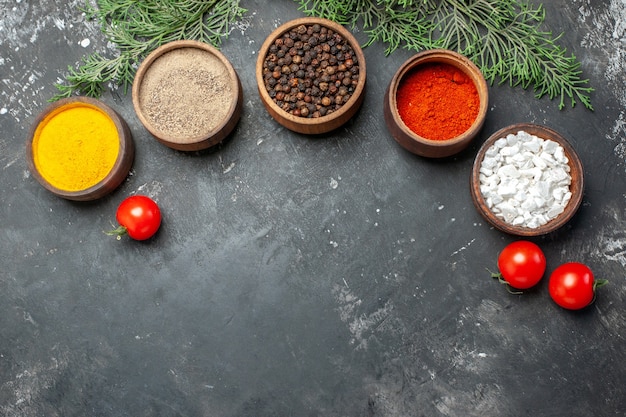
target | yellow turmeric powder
[{"x": 76, "y": 146}]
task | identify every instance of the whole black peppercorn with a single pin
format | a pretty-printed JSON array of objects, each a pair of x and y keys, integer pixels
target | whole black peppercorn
[{"x": 310, "y": 71}]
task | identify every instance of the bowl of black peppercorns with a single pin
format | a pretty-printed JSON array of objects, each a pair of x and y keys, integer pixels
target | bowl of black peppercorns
[{"x": 311, "y": 75}]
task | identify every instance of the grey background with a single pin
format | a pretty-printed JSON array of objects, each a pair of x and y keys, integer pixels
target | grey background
[{"x": 297, "y": 276}]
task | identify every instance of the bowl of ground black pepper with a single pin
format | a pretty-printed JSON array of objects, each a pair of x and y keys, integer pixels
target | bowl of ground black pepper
[
  {"x": 80, "y": 149},
  {"x": 187, "y": 95},
  {"x": 311, "y": 75},
  {"x": 436, "y": 103}
]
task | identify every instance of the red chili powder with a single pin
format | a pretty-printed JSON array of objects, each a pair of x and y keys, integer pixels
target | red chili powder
[{"x": 437, "y": 101}]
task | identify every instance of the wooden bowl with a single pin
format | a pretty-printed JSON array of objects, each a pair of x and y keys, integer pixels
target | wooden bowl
[
  {"x": 49, "y": 162},
  {"x": 187, "y": 95},
  {"x": 576, "y": 186},
  {"x": 324, "y": 123},
  {"x": 410, "y": 140}
]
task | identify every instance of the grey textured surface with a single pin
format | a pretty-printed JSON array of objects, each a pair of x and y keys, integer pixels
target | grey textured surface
[{"x": 292, "y": 276}]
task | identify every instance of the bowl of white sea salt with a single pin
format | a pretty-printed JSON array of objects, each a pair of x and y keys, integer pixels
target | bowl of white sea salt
[{"x": 527, "y": 180}]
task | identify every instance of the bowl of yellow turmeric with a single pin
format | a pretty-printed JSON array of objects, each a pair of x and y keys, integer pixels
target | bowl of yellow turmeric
[{"x": 80, "y": 149}]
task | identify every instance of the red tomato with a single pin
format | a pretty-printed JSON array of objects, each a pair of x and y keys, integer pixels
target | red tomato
[
  {"x": 573, "y": 286},
  {"x": 522, "y": 264},
  {"x": 139, "y": 217}
]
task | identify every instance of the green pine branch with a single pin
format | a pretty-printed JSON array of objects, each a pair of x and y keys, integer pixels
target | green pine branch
[
  {"x": 503, "y": 37},
  {"x": 139, "y": 27}
]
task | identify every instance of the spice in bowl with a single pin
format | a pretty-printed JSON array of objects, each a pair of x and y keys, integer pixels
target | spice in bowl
[
  {"x": 310, "y": 71},
  {"x": 311, "y": 75},
  {"x": 80, "y": 149},
  {"x": 525, "y": 179},
  {"x": 437, "y": 101},
  {"x": 187, "y": 95}
]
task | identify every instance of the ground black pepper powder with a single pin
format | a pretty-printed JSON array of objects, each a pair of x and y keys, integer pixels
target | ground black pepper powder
[
  {"x": 310, "y": 71},
  {"x": 186, "y": 93}
]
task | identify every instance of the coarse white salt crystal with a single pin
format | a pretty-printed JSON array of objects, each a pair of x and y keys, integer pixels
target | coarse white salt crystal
[
  {"x": 508, "y": 171},
  {"x": 555, "y": 211},
  {"x": 539, "y": 162},
  {"x": 529, "y": 205},
  {"x": 509, "y": 150},
  {"x": 525, "y": 179},
  {"x": 512, "y": 139},
  {"x": 559, "y": 155},
  {"x": 488, "y": 162},
  {"x": 532, "y": 146},
  {"x": 501, "y": 143},
  {"x": 550, "y": 147}
]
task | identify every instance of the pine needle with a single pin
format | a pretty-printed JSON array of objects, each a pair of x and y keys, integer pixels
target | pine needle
[
  {"x": 503, "y": 37},
  {"x": 139, "y": 27}
]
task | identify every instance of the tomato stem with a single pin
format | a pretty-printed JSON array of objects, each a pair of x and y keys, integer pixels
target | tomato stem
[
  {"x": 599, "y": 283},
  {"x": 118, "y": 232},
  {"x": 498, "y": 276}
]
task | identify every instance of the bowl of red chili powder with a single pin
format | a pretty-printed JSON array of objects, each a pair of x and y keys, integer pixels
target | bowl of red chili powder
[
  {"x": 311, "y": 74},
  {"x": 436, "y": 103}
]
